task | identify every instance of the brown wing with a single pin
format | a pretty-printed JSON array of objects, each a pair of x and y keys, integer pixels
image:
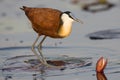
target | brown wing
[{"x": 44, "y": 19}]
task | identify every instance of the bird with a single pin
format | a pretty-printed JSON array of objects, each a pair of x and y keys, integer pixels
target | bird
[{"x": 48, "y": 22}]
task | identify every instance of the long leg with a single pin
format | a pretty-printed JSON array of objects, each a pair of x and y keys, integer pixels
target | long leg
[
  {"x": 40, "y": 44},
  {"x": 33, "y": 50},
  {"x": 40, "y": 49},
  {"x": 43, "y": 58}
]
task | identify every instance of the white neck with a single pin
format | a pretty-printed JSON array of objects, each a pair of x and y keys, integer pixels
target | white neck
[{"x": 66, "y": 28}]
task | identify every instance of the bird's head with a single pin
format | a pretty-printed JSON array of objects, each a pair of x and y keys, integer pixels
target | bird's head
[{"x": 67, "y": 15}]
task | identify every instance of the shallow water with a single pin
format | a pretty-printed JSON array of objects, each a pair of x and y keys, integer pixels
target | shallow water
[
  {"x": 16, "y": 38},
  {"x": 84, "y": 53}
]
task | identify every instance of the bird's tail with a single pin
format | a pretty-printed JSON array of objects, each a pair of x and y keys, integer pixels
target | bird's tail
[{"x": 23, "y": 8}]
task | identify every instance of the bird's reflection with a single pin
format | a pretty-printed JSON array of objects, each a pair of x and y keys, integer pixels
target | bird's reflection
[
  {"x": 38, "y": 78},
  {"x": 8, "y": 77}
]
